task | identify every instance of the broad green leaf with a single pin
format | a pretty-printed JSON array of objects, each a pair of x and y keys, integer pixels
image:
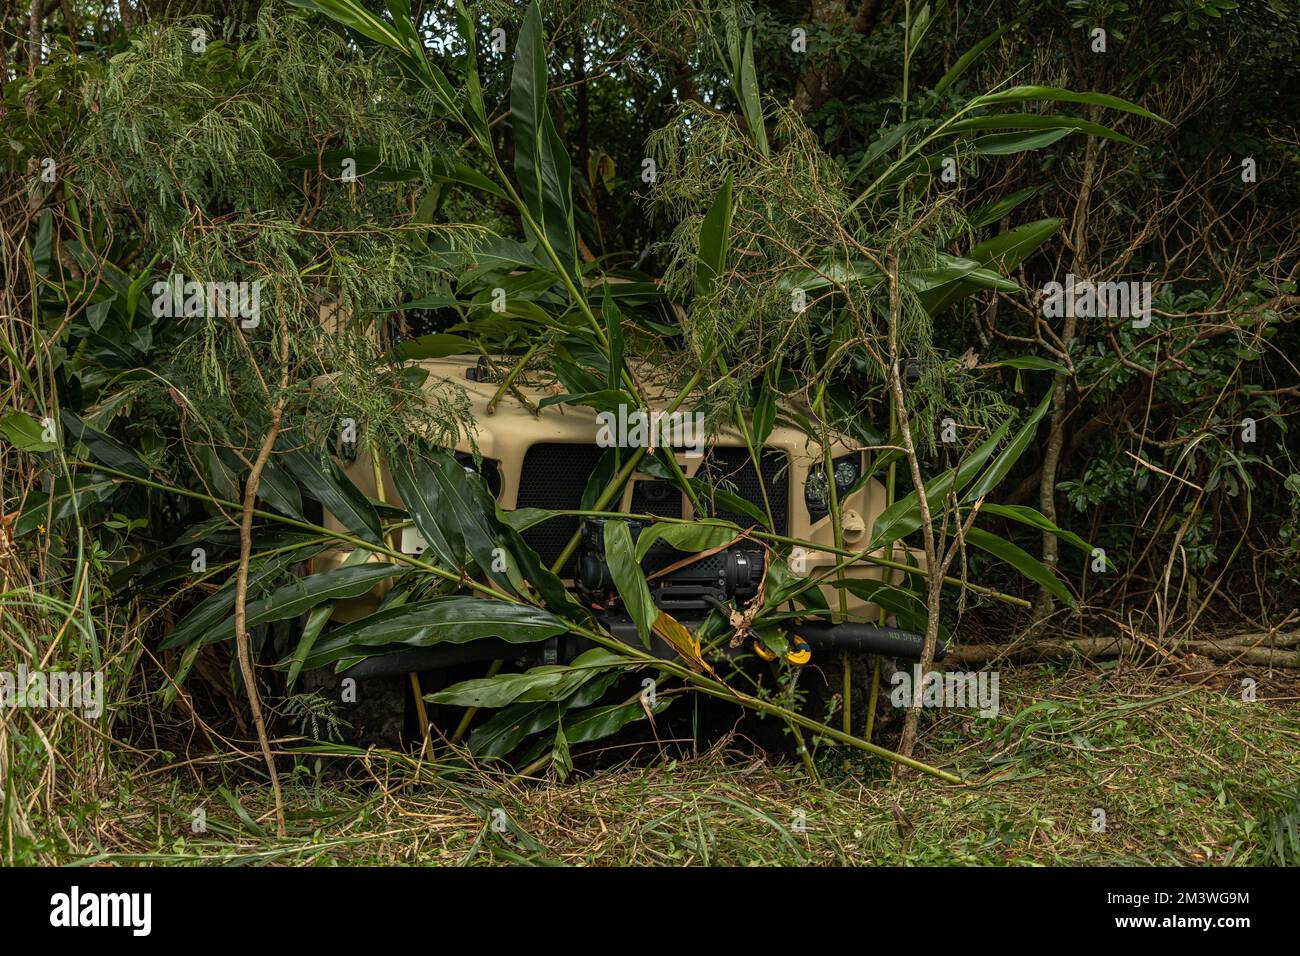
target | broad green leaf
[
  {"x": 1035, "y": 519},
  {"x": 883, "y": 143},
  {"x": 715, "y": 233},
  {"x": 1017, "y": 94},
  {"x": 1007, "y": 144},
  {"x": 1021, "y": 560},
  {"x": 628, "y": 577},
  {"x": 1001, "y": 254},
  {"x": 970, "y": 56},
  {"x": 991, "y": 213},
  {"x": 437, "y": 345},
  {"x": 444, "y": 620},
  {"x": 102, "y": 448},
  {"x": 692, "y": 538},
  {"x": 1032, "y": 362},
  {"x": 613, "y": 320},
  {"x": 311, "y": 632},
  {"x": 541, "y": 160},
  {"x": 41, "y": 511},
  {"x": 278, "y": 490},
  {"x": 747, "y": 93},
  {"x": 218, "y": 606},
  {"x": 904, "y": 515},
  {"x": 1011, "y": 454},
  {"x": 598, "y": 722},
  {"x": 25, "y": 433},
  {"x": 321, "y": 478},
  {"x": 300, "y": 596},
  {"x": 1037, "y": 121},
  {"x": 906, "y": 605},
  {"x": 421, "y": 494},
  {"x": 548, "y": 682},
  {"x": 764, "y": 413},
  {"x": 473, "y": 87},
  {"x": 502, "y": 732}
]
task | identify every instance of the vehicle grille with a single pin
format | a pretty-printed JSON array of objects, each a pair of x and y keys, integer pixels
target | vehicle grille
[
  {"x": 731, "y": 470},
  {"x": 555, "y": 475}
]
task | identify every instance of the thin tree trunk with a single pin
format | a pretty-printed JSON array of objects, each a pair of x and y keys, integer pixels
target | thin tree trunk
[
  {"x": 934, "y": 572},
  {"x": 243, "y": 641},
  {"x": 1061, "y": 407}
]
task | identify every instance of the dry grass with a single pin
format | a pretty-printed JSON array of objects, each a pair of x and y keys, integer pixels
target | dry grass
[{"x": 1186, "y": 772}]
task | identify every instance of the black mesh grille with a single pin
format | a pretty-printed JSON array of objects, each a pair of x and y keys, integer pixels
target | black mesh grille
[
  {"x": 731, "y": 470},
  {"x": 554, "y": 476}
]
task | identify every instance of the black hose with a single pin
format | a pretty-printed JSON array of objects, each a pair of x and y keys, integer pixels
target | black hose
[{"x": 868, "y": 638}]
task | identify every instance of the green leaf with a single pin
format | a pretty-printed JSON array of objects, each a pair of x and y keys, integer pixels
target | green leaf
[
  {"x": 614, "y": 335},
  {"x": 970, "y": 56},
  {"x": 278, "y": 490},
  {"x": 628, "y": 578},
  {"x": 321, "y": 478},
  {"x": 102, "y": 448},
  {"x": 445, "y": 620},
  {"x": 421, "y": 494},
  {"x": 747, "y": 93},
  {"x": 541, "y": 161},
  {"x": 715, "y": 233},
  {"x": 1035, "y": 519},
  {"x": 991, "y": 213},
  {"x": 1037, "y": 121},
  {"x": 1011, "y": 454},
  {"x": 502, "y": 732},
  {"x": 473, "y": 87},
  {"x": 1034, "y": 363},
  {"x": 684, "y": 537},
  {"x": 764, "y": 413},
  {"x": 883, "y": 143},
  {"x": 545, "y": 683},
  {"x": 25, "y": 433},
  {"x": 63, "y": 501},
  {"x": 1018, "y": 94},
  {"x": 299, "y": 597},
  {"x": 1021, "y": 560},
  {"x": 1002, "y": 253},
  {"x": 1007, "y": 144},
  {"x": 904, "y": 515},
  {"x": 311, "y": 632},
  {"x": 584, "y": 726},
  {"x": 399, "y": 35},
  {"x": 906, "y": 605},
  {"x": 218, "y": 606},
  {"x": 438, "y": 345}
]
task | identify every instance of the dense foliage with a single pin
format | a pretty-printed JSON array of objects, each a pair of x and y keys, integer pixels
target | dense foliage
[{"x": 850, "y": 214}]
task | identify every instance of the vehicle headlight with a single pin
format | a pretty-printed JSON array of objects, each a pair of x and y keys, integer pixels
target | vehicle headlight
[
  {"x": 489, "y": 468},
  {"x": 816, "y": 492},
  {"x": 847, "y": 471}
]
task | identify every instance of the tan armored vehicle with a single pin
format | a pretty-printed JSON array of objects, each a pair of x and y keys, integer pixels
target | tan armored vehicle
[{"x": 535, "y": 456}]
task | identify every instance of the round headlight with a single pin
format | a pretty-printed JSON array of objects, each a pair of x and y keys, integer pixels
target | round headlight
[
  {"x": 816, "y": 494},
  {"x": 846, "y": 473}
]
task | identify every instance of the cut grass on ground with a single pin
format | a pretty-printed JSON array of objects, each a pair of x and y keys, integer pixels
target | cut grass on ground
[{"x": 1185, "y": 773}]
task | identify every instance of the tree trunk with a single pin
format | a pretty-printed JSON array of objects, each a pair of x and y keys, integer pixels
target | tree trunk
[{"x": 1061, "y": 408}]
